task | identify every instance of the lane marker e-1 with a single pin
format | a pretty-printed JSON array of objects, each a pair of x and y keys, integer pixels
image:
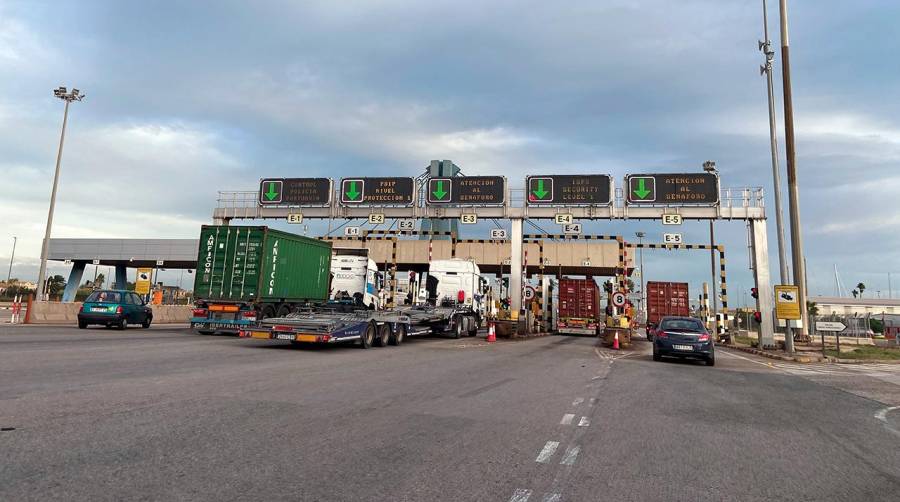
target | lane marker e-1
[{"x": 548, "y": 451}]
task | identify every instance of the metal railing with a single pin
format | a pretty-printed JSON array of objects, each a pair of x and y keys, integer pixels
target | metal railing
[{"x": 739, "y": 197}]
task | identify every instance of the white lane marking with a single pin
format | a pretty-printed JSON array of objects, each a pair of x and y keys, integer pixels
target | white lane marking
[
  {"x": 570, "y": 455},
  {"x": 577, "y": 401},
  {"x": 548, "y": 451},
  {"x": 552, "y": 497},
  {"x": 593, "y": 401},
  {"x": 567, "y": 419},
  {"x": 584, "y": 422},
  {"x": 882, "y": 415},
  {"x": 520, "y": 495}
]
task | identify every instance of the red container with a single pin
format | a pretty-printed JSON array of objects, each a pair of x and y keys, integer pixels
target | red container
[
  {"x": 579, "y": 304},
  {"x": 666, "y": 298}
]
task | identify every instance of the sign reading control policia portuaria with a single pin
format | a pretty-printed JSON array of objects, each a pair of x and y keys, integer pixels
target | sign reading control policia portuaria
[
  {"x": 569, "y": 190},
  {"x": 467, "y": 190},
  {"x": 377, "y": 191},
  {"x": 672, "y": 189},
  {"x": 294, "y": 192}
]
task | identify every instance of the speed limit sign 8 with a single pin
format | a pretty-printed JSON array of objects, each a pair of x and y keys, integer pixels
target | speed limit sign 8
[{"x": 618, "y": 299}]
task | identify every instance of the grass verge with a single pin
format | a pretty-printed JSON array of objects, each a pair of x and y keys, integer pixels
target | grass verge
[{"x": 867, "y": 352}]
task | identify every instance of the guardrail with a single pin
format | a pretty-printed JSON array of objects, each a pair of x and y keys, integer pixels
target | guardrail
[{"x": 737, "y": 197}]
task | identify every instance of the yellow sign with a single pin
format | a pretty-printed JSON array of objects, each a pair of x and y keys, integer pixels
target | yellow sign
[
  {"x": 142, "y": 282},
  {"x": 787, "y": 302}
]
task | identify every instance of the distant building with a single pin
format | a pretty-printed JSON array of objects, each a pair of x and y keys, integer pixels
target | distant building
[{"x": 855, "y": 306}]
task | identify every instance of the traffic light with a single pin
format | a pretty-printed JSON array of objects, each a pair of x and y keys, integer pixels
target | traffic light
[
  {"x": 757, "y": 316},
  {"x": 754, "y": 292},
  {"x": 608, "y": 287}
]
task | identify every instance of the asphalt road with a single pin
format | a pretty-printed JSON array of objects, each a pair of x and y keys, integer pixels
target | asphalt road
[{"x": 163, "y": 414}]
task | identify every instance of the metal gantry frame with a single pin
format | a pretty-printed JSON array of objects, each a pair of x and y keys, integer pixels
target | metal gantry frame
[{"x": 744, "y": 204}]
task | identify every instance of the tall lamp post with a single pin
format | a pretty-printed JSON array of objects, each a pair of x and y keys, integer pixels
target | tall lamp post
[
  {"x": 767, "y": 69},
  {"x": 68, "y": 97},
  {"x": 640, "y": 236},
  {"x": 12, "y": 257},
  {"x": 710, "y": 167},
  {"x": 793, "y": 191}
]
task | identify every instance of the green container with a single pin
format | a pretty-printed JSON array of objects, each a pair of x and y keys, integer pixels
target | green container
[{"x": 244, "y": 264}]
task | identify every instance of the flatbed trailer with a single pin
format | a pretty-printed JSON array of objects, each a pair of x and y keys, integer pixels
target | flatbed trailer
[{"x": 339, "y": 324}]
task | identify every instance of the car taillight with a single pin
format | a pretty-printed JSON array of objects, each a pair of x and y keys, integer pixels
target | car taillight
[
  {"x": 199, "y": 312},
  {"x": 119, "y": 309},
  {"x": 661, "y": 334},
  {"x": 81, "y": 309},
  {"x": 249, "y": 314},
  {"x": 703, "y": 338}
]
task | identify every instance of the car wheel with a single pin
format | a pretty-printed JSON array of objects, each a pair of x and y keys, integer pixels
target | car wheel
[
  {"x": 656, "y": 356},
  {"x": 82, "y": 325},
  {"x": 711, "y": 361},
  {"x": 147, "y": 321},
  {"x": 205, "y": 331},
  {"x": 368, "y": 337},
  {"x": 122, "y": 325},
  {"x": 398, "y": 337}
]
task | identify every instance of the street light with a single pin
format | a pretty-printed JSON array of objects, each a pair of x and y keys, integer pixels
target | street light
[
  {"x": 640, "y": 236},
  {"x": 710, "y": 167},
  {"x": 68, "y": 97},
  {"x": 11, "y": 258}
]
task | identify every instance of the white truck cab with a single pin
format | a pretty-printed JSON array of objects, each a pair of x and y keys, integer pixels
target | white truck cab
[
  {"x": 355, "y": 275},
  {"x": 450, "y": 277}
]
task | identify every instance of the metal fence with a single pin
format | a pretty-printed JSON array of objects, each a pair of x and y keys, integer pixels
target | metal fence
[{"x": 857, "y": 326}]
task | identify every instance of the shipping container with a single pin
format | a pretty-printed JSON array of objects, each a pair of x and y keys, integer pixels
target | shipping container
[
  {"x": 579, "y": 306},
  {"x": 248, "y": 273},
  {"x": 665, "y": 299}
]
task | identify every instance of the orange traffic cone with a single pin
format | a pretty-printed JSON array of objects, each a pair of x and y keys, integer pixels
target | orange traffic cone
[
  {"x": 492, "y": 335},
  {"x": 616, "y": 341}
]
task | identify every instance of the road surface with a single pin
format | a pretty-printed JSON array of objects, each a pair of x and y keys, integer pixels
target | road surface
[{"x": 163, "y": 414}]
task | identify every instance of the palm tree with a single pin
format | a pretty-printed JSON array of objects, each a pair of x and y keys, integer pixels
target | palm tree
[
  {"x": 812, "y": 309},
  {"x": 861, "y": 287}
]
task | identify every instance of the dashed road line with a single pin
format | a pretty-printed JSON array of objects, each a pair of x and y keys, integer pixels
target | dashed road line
[
  {"x": 520, "y": 495},
  {"x": 570, "y": 455},
  {"x": 584, "y": 422},
  {"x": 548, "y": 451},
  {"x": 577, "y": 401},
  {"x": 567, "y": 419},
  {"x": 552, "y": 497}
]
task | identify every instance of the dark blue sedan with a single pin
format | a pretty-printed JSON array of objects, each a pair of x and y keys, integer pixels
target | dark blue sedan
[{"x": 684, "y": 337}]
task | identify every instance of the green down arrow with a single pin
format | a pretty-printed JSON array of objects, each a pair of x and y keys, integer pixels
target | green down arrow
[
  {"x": 540, "y": 193},
  {"x": 352, "y": 193},
  {"x": 271, "y": 193},
  {"x": 641, "y": 191},
  {"x": 439, "y": 193}
]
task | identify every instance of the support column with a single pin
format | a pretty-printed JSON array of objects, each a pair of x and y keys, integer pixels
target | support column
[
  {"x": 515, "y": 267},
  {"x": 545, "y": 303},
  {"x": 121, "y": 280},
  {"x": 74, "y": 281},
  {"x": 759, "y": 244}
]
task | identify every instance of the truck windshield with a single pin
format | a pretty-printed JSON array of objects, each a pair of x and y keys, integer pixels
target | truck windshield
[{"x": 104, "y": 297}]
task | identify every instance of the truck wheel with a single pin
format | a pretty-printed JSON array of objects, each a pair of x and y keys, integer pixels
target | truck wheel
[
  {"x": 458, "y": 330},
  {"x": 283, "y": 310},
  {"x": 473, "y": 325},
  {"x": 368, "y": 337},
  {"x": 384, "y": 335},
  {"x": 397, "y": 338},
  {"x": 268, "y": 311}
]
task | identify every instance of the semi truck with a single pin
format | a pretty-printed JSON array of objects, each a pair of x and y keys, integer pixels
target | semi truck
[
  {"x": 665, "y": 299},
  {"x": 579, "y": 307},
  {"x": 355, "y": 276},
  {"x": 249, "y": 273}
]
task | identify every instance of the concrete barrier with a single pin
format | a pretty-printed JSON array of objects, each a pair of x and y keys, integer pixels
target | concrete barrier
[{"x": 67, "y": 313}]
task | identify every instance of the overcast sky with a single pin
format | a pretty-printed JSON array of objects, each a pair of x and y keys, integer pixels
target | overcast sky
[{"x": 188, "y": 98}]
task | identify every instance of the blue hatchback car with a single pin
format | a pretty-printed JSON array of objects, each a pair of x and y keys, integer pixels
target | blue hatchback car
[
  {"x": 111, "y": 307},
  {"x": 684, "y": 337}
]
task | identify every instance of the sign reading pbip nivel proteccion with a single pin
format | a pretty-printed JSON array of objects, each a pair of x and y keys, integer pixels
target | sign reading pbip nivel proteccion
[{"x": 377, "y": 191}]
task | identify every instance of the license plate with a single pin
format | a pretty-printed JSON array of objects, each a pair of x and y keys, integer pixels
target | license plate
[
  {"x": 682, "y": 347},
  {"x": 98, "y": 309},
  {"x": 284, "y": 336}
]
